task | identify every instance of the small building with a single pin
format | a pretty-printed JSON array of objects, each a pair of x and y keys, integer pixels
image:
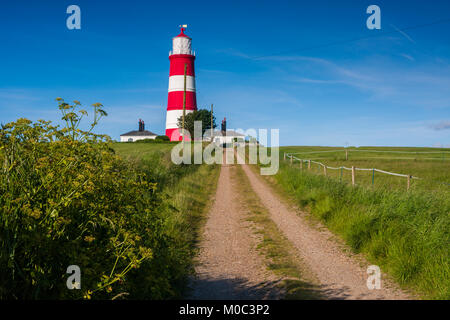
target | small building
[
  {"x": 228, "y": 137},
  {"x": 140, "y": 134}
]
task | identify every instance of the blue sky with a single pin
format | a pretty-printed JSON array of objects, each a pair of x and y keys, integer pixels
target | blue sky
[{"x": 291, "y": 65}]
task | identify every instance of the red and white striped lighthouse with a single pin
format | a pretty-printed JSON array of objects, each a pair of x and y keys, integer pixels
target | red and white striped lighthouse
[{"x": 180, "y": 56}]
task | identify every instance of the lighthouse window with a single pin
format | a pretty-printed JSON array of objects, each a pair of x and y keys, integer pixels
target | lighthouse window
[{"x": 130, "y": 139}]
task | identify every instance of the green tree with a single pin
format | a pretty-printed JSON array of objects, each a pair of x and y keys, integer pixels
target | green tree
[{"x": 202, "y": 115}]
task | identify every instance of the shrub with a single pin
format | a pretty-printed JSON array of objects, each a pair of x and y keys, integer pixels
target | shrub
[
  {"x": 158, "y": 139},
  {"x": 145, "y": 141},
  {"x": 162, "y": 138},
  {"x": 67, "y": 199}
]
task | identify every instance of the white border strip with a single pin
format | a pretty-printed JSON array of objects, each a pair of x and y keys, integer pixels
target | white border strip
[
  {"x": 172, "y": 118},
  {"x": 176, "y": 83}
]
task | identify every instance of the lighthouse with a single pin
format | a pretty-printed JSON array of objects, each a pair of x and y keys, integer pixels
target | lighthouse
[{"x": 182, "y": 56}]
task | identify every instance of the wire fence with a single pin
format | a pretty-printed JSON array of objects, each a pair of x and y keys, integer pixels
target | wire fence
[
  {"x": 443, "y": 155},
  {"x": 353, "y": 169}
]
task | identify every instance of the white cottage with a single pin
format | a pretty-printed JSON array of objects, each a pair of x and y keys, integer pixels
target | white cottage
[{"x": 140, "y": 134}]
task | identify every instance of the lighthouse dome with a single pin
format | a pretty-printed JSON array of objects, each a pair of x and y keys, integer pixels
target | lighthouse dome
[{"x": 182, "y": 44}]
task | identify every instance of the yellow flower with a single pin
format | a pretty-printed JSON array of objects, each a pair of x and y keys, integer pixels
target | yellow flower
[
  {"x": 89, "y": 238},
  {"x": 36, "y": 213},
  {"x": 87, "y": 295}
]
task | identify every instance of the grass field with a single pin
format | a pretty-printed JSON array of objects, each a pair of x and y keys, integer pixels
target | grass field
[
  {"x": 405, "y": 233},
  {"x": 432, "y": 165}
]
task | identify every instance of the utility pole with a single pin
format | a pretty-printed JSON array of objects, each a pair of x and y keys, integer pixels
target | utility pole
[
  {"x": 184, "y": 97},
  {"x": 212, "y": 129}
]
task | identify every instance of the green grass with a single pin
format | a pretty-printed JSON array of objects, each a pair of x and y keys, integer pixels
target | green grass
[
  {"x": 141, "y": 150},
  {"x": 186, "y": 193},
  {"x": 405, "y": 233},
  {"x": 432, "y": 168}
]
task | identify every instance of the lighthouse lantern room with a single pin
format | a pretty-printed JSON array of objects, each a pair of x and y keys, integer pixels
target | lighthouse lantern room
[{"x": 181, "y": 55}]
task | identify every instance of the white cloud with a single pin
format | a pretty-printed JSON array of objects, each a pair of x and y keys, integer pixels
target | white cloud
[
  {"x": 443, "y": 125},
  {"x": 407, "y": 56},
  {"x": 404, "y": 34}
]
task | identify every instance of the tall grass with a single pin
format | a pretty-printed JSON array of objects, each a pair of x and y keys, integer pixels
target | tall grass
[
  {"x": 405, "y": 233},
  {"x": 185, "y": 192}
]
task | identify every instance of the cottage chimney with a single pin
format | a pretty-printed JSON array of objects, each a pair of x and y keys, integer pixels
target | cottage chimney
[{"x": 224, "y": 125}]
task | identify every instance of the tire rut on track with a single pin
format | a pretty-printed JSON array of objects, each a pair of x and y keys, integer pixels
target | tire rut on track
[{"x": 229, "y": 267}]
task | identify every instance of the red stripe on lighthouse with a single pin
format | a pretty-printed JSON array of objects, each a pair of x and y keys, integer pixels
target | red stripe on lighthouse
[
  {"x": 175, "y": 100},
  {"x": 177, "y": 62},
  {"x": 174, "y": 134}
]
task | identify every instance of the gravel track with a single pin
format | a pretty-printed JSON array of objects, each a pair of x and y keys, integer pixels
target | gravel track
[
  {"x": 229, "y": 267},
  {"x": 341, "y": 275}
]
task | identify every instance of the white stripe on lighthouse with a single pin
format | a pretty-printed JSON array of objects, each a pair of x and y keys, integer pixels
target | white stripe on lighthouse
[
  {"x": 176, "y": 83},
  {"x": 172, "y": 118}
]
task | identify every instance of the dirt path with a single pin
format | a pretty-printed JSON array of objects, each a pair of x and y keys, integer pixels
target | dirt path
[
  {"x": 340, "y": 275},
  {"x": 229, "y": 267}
]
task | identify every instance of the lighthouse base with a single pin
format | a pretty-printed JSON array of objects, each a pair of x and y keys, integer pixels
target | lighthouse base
[{"x": 174, "y": 134}]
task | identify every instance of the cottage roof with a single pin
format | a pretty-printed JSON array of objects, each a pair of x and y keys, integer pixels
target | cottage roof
[{"x": 137, "y": 133}]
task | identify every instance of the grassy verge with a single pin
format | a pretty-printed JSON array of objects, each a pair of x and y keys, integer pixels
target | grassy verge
[
  {"x": 405, "y": 233},
  {"x": 279, "y": 253},
  {"x": 185, "y": 210},
  {"x": 186, "y": 192}
]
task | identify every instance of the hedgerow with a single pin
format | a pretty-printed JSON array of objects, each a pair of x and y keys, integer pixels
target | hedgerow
[{"x": 67, "y": 199}]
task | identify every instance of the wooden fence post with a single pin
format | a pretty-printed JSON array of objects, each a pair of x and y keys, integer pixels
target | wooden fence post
[
  {"x": 325, "y": 170},
  {"x": 291, "y": 158},
  {"x": 408, "y": 183},
  {"x": 301, "y": 163},
  {"x": 284, "y": 156},
  {"x": 309, "y": 164},
  {"x": 353, "y": 175},
  {"x": 346, "y": 154}
]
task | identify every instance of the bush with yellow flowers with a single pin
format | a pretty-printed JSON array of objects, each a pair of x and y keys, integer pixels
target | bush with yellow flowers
[{"x": 67, "y": 199}]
